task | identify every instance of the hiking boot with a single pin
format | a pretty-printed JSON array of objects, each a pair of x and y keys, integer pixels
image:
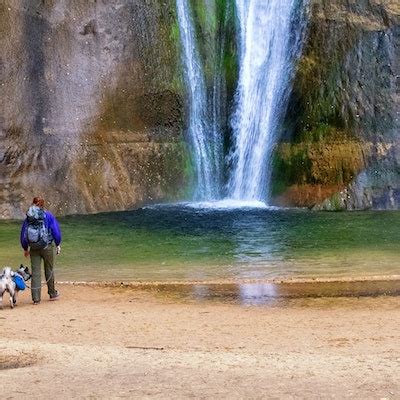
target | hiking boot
[
  {"x": 36, "y": 303},
  {"x": 55, "y": 296}
]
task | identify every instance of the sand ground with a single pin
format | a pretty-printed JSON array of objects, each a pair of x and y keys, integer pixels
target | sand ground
[{"x": 114, "y": 343}]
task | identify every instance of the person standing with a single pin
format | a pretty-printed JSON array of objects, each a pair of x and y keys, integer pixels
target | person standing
[{"x": 41, "y": 238}]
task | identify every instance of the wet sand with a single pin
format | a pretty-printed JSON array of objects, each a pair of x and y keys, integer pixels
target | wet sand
[{"x": 137, "y": 342}]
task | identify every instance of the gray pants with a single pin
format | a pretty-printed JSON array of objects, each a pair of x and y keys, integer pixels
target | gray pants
[{"x": 48, "y": 255}]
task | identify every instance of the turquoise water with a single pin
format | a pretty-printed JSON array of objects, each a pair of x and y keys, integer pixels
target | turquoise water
[{"x": 185, "y": 243}]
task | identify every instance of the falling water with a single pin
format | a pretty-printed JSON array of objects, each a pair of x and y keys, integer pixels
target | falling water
[
  {"x": 271, "y": 36},
  {"x": 203, "y": 133}
]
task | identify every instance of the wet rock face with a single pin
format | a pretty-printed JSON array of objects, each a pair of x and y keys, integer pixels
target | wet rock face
[
  {"x": 91, "y": 106},
  {"x": 343, "y": 115}
]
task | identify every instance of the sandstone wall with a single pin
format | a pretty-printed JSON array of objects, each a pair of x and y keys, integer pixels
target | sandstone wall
[
  {"x": 91, "y": 105},
  {"x": 340, "y": 147}
]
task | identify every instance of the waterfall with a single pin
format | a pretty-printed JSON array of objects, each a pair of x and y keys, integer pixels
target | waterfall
[
  {"x": 271, "y": 36},
  {"x": 203, "y": 130}
]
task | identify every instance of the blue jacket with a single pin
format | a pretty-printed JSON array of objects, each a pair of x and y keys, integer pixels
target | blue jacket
[{"x": 51, "y": 224}]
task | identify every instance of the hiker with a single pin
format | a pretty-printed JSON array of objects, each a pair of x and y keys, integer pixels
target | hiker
[{"x": 41, "y": 238}]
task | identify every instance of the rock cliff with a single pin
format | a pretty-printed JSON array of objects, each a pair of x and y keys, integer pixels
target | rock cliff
[
  {"x": 91, "y": 105},
  {"x": 340, "y": 147}
]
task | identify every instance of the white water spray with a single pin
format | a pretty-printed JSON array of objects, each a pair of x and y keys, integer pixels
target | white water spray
[{"x": 271, "y": 37}]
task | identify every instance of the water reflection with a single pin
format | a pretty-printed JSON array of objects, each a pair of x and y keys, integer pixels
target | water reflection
[
  {"x": 201, "y": 292},
  {"x": 258, "y": 293},
  {"x": 272, "y": 293},
  {"x": 255, "y": 243},
  {"x": 245, "y": 294}
]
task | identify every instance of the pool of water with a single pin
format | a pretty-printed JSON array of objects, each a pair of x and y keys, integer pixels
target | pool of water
[{"x": 205, "y": 242}]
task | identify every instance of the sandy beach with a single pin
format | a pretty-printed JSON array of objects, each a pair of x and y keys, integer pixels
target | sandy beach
[{"x": 99, "y": 342}]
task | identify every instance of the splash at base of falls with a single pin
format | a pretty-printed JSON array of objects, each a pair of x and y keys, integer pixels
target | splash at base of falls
[
  {"x": 222, "y": 205},
  {"x": 228, "y": 204}
]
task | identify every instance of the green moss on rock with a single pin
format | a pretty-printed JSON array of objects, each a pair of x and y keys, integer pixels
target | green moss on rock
[
  {"x": 342, "y": 107},
  {"x": 325, "y": 164}
]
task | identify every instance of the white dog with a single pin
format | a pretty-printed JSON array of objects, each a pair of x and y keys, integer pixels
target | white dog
[{"x": 10, "y": 281}]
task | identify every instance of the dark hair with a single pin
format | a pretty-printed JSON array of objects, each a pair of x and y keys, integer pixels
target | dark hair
[{"x": 38, "y": 201}]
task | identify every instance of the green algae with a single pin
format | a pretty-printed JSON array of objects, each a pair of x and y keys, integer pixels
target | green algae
[{"x": 327, "y": 163}]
